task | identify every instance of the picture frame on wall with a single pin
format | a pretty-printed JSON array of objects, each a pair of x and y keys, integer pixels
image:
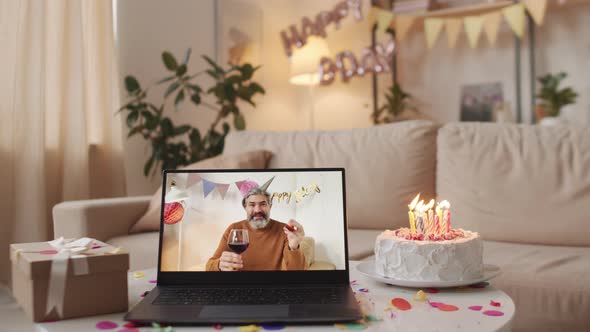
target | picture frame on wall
[{"x": 479, "y": 102}]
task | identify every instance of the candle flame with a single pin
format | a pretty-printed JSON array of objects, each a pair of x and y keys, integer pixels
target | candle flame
[
  {"x": 445, "y": 204},
  {"x": 414, "y": 202},
  {"x": 430, "y": 204}
]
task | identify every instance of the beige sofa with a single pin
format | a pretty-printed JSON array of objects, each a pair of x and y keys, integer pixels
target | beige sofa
[{"x": 525, "y": 189}]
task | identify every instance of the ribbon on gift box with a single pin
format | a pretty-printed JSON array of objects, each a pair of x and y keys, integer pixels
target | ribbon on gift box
[{"x": 66, "y": 248}]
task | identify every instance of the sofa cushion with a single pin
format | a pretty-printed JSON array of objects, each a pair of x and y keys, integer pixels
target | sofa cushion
[
  {"x": 386, "y": 165},
  {"x": 517, "y": 183},
  {"x": 548, "y": 284},
  {"x": 361, "y": 243},
  {"x": 150, "y": 220},
  {"x": 142, "y": 248}
]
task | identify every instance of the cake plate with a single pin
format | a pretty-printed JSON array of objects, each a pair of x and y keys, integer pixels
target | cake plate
[{"x": 367, "y": 268}]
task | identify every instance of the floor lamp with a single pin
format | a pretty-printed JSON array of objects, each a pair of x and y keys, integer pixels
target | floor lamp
[{"x": 305, "y": 68}]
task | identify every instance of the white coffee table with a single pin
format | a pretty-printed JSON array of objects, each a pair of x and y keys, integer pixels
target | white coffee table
[{"x": 375, "y": 297}]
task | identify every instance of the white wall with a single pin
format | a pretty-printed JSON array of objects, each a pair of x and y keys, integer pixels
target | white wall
[{"x": 205, "y": 219}]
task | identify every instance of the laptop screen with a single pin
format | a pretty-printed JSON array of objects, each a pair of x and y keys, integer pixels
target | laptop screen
[{"x": 274, "y": 220}]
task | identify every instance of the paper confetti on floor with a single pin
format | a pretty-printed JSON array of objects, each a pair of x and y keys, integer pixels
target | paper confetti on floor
[
  {"x": 443, "y": 306},
  {"x": 401, "y": 304},
  {"x": 476, "y": 308},
  {"x": 493, "y": 313},
  {"x": 249, "y": 328},
  {"x": 138, "y": 274},
  {"x": 153, "y": 281},
  {"x": 106, "y": 325},
  {"x": 420, "y": 297}
]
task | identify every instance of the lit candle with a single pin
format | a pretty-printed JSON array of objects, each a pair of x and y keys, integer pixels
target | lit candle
[
  {"x": 411, "y": 214},
  {"x": 446, "y": 216},
  {"x": 438, "y": 219},
  {"x": 430, "y": 222}
]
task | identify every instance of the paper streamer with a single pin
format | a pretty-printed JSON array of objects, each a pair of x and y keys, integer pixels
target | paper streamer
[
  {"x": 384, "y": 18},
  {"x": 192, "y": 179},
  {"x": 473, "y": 25},
  {"x": 222, "y": 188},
  {"x": 208, "y": 187},
  {"x": 432, "y": 28},
  {"x": 491, "y": 26},
  {"x": 403, "y": 23},
  {"x": 453, "y": 28},
  {"x": 537, "y": 9},
  {"x": 515, "y": 16}
]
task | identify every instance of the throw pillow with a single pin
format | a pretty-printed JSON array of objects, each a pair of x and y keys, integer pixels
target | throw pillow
[{"x": 150, "y": 221}]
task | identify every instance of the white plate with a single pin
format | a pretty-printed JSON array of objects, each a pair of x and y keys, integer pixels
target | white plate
[{"x": 367, "y": 268}]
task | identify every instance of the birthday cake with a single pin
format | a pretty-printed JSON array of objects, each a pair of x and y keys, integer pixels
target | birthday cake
[{"x": 429, "y": 250}]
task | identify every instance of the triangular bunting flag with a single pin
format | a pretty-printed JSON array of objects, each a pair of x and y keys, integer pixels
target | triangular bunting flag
[
  {"x": 453, "y": 27},
  {"x": 222, "y": 188},
  {"x": 515, "y": 17},
  {"x": 207, "y": 187},
  {"x": 537, "y": 9},
  {"x": 473, "y": 25},
  {"x": 491, "y": 26},
  {"x": 384, "y": 18},
  {"x": 192, "y": 179},
  {"x": 245, "y": 186},
  {"x": 403, "y": 23},
  {"x": 432, "y": 27}
]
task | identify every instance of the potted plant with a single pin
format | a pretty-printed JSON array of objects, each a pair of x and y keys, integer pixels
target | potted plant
[
  {"x": 178, "y": 145},
  {"x": 397, "y": 101},
  {"x": 551, "y": 98}
]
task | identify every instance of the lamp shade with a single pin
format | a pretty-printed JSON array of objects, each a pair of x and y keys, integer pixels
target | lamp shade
[{"x": 305, "y": 62}]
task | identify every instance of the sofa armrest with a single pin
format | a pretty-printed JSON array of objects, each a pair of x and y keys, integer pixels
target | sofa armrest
[{"x": 101, "y": 219}]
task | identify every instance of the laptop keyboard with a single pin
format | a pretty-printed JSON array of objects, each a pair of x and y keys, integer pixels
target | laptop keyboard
[{"x": 263, "y": 295}]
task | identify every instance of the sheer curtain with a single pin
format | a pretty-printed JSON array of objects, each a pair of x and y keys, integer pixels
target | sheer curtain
[{"x": 59, "y": 137}]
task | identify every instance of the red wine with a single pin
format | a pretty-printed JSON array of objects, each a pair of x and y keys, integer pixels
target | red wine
[{"x": 238, "y": 247}]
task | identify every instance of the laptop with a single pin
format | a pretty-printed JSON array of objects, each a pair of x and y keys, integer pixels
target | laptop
[{"x": 251, "y": 246}]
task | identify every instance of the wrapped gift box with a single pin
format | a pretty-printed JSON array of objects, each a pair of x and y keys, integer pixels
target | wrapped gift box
[{"x": 65, "y": 278}]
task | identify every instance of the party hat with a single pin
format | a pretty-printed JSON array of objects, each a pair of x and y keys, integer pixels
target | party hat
[{"x": 264, "y": 187}]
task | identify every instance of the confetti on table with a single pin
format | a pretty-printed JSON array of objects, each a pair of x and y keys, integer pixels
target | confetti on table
[
  {"x": 475, "y": 307},
  {"x": 363, "y": 290},
  {"x": 273, "y": 327},
  {"x": 130, "y": 324},
  {"x": 48, "y": 252},
  {"x": 218, "y": 327},
  {"x": 249, "y": 328},
  {"x": 106, "y": 325},
  {"x": 401, "y": 304},
  {"x": 153, "y": 281},
  {"x": 351, "y": 326},
  {"x": 138, "y": 274},
  {"x": 443, "y": 306},
  {"x": 493, "y": 313},
  {"x": 431, "y": 290},
  {"x": 495, "y": 304},
  {"x": 420, "y": 297},
  {"x": 371, "y": 319}
]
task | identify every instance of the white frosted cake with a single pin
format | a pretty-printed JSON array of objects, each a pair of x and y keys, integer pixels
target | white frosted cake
[{"x": 453, "y": 256}]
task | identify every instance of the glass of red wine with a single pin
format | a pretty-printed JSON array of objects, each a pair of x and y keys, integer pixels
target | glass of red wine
[{"x": 238, "y": 240}]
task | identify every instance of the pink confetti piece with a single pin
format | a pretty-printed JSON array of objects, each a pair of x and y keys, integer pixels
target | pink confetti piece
[
  {"x": 96, "y": 246},
  {"x": 363, "y": 290},
  {"x": 495, "y": 304},
  {"x": 218, "y": 327},
  {"x": 144, "y": 294},
  {"x": 443, "y": 306},
  {"x": 48, "y": 252},
  {"x": 435, "y": 304},
  {"x": 431, "y": 290},
  {"x": 475, "y": 307},
  {"x": 106, "y": 325},
  {"x": 153, "y": 281},
  {"x": 401, "y": 304},
  {"x": 493, "y": 313}
]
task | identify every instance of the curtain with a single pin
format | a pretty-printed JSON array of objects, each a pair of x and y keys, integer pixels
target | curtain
[{"x": 59, "y": 137}]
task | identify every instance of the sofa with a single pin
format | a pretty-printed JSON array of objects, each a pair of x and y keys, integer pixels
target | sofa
[{"x": 525, "y": 189}]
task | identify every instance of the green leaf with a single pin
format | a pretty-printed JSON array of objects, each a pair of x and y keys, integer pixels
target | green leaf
[
  {"x": 195, "y": 137},
  {"x": 257, "y": 88},
  {"x": 212, "y": 73},
  {"x": 226, "y": 128},
  {"x": 234, "y": 79},
  {"x": 247, "y": 70},
  {"x": 169, "y": 61},
  {"x": 132, "y": 118},
  {"x": 195, "y": 88},
  {"x": 167, "y": 127},
  {"x": 150, "y": 120},
  {"x": 133, "y": 131},
  {"x": 179, "y": 99},
  {"x": 239, "y": 121},
  {"x": 166, "y": 79},
  {"x": 213, "y": 64},
  {"x": 187, "y": 56},
  {"x": 181, "y": 70},
  {"x": 196, "y": 99},
  {"x": 181, "y": 130},
  {"x": 148, "y": 166},
  {"x": 131, "y": 84},
  {"x": 171, "y": 89}
]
